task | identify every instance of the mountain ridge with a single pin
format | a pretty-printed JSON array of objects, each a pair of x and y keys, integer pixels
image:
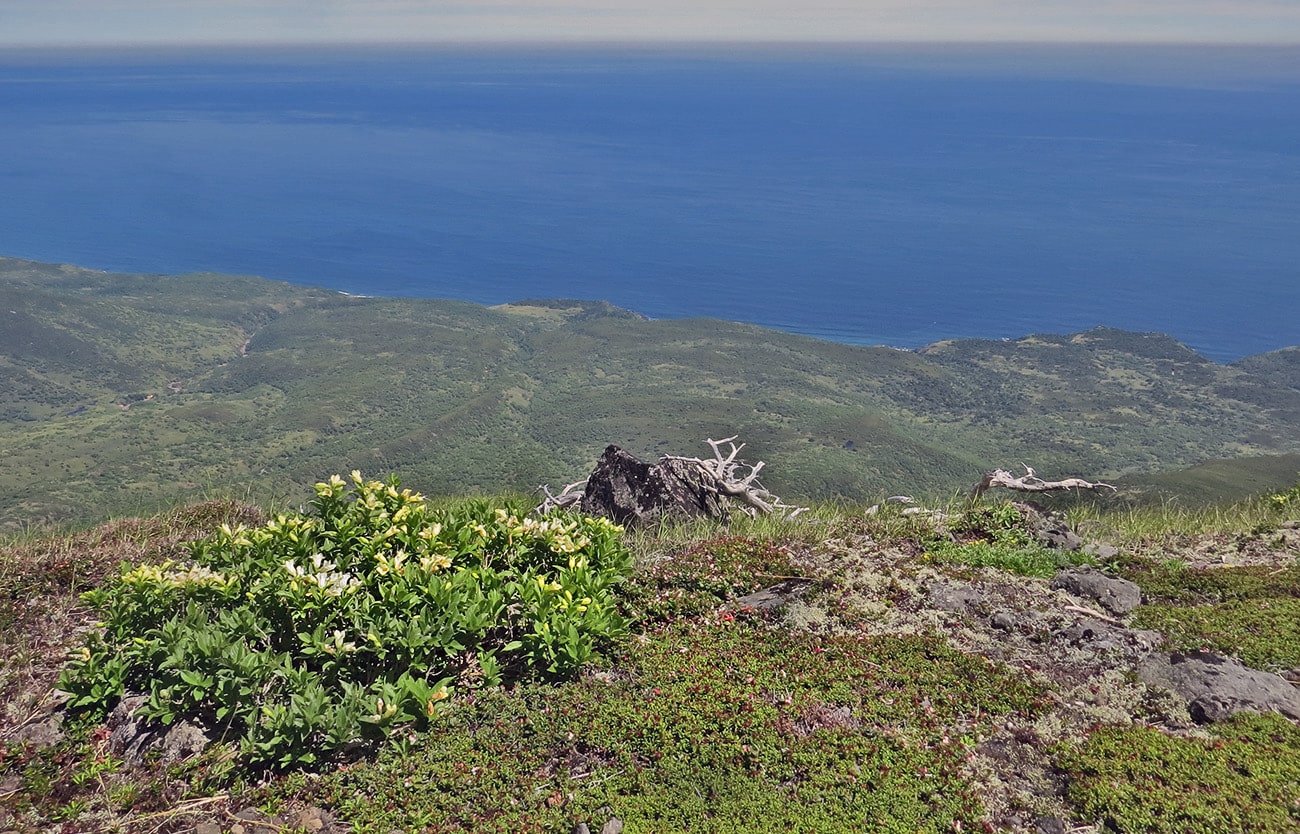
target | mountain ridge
[{"x": 130, "y": 390}]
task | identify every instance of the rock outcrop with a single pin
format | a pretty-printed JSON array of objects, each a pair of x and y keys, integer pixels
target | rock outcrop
[{"x": 631, "y": 492}]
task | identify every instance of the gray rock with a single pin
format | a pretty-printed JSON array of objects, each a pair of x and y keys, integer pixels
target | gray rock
[
  {"x": 777, "y": 596},
  {"x": 1217, "y": 687},
  {"x": 1049, "y": 825},
  {"x": 614, "y": 826},
  {"x": 1048, "y": 527},
  {"x": 958, "y": 599},
  {"x": 183, "y": 740},
  {"x": 1101, "y": 551},
  {"x": 132, "y": 736},
  {"x": 314, "y": 820},
  {"x": 128, "y": 735},
  {"x": 1118, "y": 596},
  {"x": 46, "y": 728},
  {"x": 1060, "y": 537},
  {"x": 581, "y": 828},
  {"x": 1089, "y": 631},
  {"x": 40, "y": 734},
  {"x": 631, "y": 492},
  {"x": 1004, "y": 620}
]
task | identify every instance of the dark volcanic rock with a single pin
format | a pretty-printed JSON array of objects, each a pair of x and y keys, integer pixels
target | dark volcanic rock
[
  {"x": 631, "y": 492},
  {"x": 1217, "y": 687},
  {"x": 1118, "y": 596}
]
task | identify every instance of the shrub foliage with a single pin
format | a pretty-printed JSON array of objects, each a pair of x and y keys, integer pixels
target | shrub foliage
[{"x": 323, "y": 630}]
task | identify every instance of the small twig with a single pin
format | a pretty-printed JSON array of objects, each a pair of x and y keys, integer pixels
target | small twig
[
  {"x": 1079, "y": 609},
  {"x": 184, "y": 808}
]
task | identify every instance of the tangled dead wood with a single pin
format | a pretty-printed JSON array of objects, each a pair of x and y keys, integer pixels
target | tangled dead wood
[
  {"x": 1029, "y": 482},
  {"x": 627, "y": 490}
]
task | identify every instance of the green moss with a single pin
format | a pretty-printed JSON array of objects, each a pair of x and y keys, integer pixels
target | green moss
[
  {"x": 701, "y": 576},
  {"x": 1173, "y": 582},
  {"x": 1138, "y": 779},
  {"x": 1250, "y": 612},
  {"x": 1264, "y": 634}
]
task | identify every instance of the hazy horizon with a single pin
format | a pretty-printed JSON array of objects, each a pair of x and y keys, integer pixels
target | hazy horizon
[{"x": 225, "y": 22}]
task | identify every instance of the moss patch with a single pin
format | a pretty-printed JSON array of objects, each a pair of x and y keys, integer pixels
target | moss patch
[
  {"x": 1138, "y": 779},
  {"x": 707, "y": 726},
  {"x": 1250, "y": 612}
]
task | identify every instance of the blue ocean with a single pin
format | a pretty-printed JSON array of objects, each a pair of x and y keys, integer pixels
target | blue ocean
[{"x": 871, "y": 195}]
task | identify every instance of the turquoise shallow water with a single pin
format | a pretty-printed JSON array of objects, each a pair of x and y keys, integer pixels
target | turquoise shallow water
[{"x": 859, "y": 195}]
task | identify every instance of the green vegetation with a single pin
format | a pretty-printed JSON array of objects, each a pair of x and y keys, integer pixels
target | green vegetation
[
  {"x": 128, "y": 392},
  {"x": 1251, "y": 612},
  {"x": 995, "y": 537},
  {"x": 697, "y": 579},
  {"x": 1264, "y": 633},
  {"x": 661, "y": 703},
  {"x": 452, "y": 665},
  {"x": 312, "y": 632},
  {"x": 741, "y": 732},
  {"x": 1139, "y": 780}
]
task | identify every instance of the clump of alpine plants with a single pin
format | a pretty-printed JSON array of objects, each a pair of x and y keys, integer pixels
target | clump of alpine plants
[{"x": 320, "y": 632}]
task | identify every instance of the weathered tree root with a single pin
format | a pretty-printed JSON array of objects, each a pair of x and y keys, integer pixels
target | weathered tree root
[{"x": 1029, "y": 482}]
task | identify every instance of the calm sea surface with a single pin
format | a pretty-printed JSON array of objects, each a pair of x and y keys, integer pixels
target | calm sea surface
[{"x": 864, "y": 195}]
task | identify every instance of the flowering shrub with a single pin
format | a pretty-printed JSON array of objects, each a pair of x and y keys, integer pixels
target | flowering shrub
[
  {"x": 1283, "y": 500},
  {"x": 319, "y": 631}
]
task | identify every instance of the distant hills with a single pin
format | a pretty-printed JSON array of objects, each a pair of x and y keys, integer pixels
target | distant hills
[{"x": 122, "y": 392}]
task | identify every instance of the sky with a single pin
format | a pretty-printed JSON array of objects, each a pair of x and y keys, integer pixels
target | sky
[{"x": 105, "y": 22}]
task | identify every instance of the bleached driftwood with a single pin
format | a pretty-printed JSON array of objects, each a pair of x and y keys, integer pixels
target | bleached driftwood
[
  {"x": 1029, "y": 482},
  {"x": 567, "y": 497},
  {"x": 737, "y": 479}
]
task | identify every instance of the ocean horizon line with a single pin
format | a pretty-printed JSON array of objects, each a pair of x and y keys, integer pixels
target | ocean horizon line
[{"x": 810, "y": 333}]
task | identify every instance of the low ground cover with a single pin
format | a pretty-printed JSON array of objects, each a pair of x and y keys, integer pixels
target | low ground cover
[
  {"x": 1251, "y": 611},
  {"x": 1138, "y": 780},
  {"x": 685, "y": 712},
  {"x": 706, "y": 726}
]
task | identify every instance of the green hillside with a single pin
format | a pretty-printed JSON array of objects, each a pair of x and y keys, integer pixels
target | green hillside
[{"x": 126, "y": 392}]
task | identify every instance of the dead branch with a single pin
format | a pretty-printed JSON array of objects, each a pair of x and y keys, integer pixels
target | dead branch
[
  {"x": 630, "y": 491},
  {"x": 1097, "y": 615},
  {"x": 567, "y": 498},
  {"x": 1029, "y": 482},
  {"x": 737, "y": 479}
]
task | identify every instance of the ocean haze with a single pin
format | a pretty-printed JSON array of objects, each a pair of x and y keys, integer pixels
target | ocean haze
[{"x": 895, "y": 195}]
